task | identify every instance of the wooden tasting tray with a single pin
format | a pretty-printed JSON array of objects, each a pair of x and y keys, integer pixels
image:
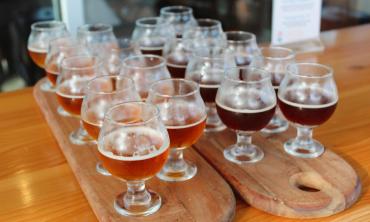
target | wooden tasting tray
[
  {"x": 272, "y": 185},
  {"x": 206, "y": 197}
]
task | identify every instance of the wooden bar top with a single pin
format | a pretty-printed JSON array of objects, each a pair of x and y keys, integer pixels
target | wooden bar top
[{"x": 37, "y": 184}]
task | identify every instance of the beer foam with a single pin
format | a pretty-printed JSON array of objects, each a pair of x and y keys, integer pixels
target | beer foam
[
  {"x": 93, "y": 124},
  {"x": 140, "y": 130},
  {"x": 307, "y": 106},
  {"x": 189, "y": 125},
  {"x": 37, "y": 50},
  {"x": 176, "y": 65},
  {"x": 245, "y": 110},
  {"x": 69, "y": 96},
  {"x": 209, "y": 86},
  {"x": 149, "y": 48}
]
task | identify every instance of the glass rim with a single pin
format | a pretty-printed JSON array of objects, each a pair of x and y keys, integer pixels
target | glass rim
[
  {"x": 131, "y": 85},
  {"x": 291, "y": 53},
  {"x": 98, "y": 62},
  {"x": 85, "y": 28},
  {"x": 132, "y": 58},
  {"x": 266, "y": 76},
  {"x": 328, "y": 69},
  {"x": 166, "y": 10},
  {"x": 55, "y": 25},
  {"x": 252, "y": 37},
  {"x": 190, "y": 82},
  {"x": 158, "y": 20},
  {"x": 156, "y": 114},
  {"x": 216, "y": 24}
]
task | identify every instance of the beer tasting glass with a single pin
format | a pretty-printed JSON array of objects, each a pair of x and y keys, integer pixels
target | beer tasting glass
[
  {"x": 103, "y": 92},
  {"x": 76, "y": 72},
  {"x": 179, "y": 17},
  {"x": 307, "y": 97},
  {"x": 151, "y": 34},
  {"x": 275, "y": 61},
  {"x": 115, "y": 56},
  {"x": 38, "y": 42},
  {"x": 144, "y": 70},
  {"x": 207, "y": 33},
  {"x": 245, "y": 104},
  {"x": 59, "y": 49},
  {"x": 133, "y": 145},
  {"x": 183, "y": 113},
  {"x": 207, "y": 67},
  {"x": 243, "y": 46},
  {"x": 98, "y": 38}
]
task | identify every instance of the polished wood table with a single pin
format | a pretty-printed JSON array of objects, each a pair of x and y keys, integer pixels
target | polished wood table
[{"x": 36, "y": 183}]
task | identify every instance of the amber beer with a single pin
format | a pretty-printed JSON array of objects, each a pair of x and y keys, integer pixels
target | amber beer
[
  {"x": 38, "y": 56},
  {"x": 308, "y": 112},
  {"x": 71, "y": 104},
  {"x": 119, "y": 158},
  {"x": 93, "y": 129},
  {"x": 186, "y": 135},
  {"x": 52, "y": 74}
]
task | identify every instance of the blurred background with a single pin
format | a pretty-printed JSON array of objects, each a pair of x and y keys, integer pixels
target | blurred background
[{"x": 16, "y": 16}]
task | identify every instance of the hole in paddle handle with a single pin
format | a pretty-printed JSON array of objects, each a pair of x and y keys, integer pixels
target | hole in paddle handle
[
  {"x": 306, "y": 188},
  {"x": 306, "y": 181}
]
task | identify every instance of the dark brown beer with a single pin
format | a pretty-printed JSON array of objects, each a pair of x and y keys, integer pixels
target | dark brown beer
[
  {"x": 208, "y": 92},
  {"x": 208, "y": 83},
  {"x": 152, "y": 46},
  {"x": 276, "y": 79},
  {"x": 156, "y": 50},
  {"x": 186, "y": 135},
  {"x": 122, "y": 159},
  {"x": 242, "y": 60},
  {"x": 71, "y": 104},
  {"x": 176, "y": 67},
  {"x": 92, "y": 129},
  {"x": 38, "y": 56},
  {"x": 245, "y": 120},
  {"x": 307, "y": 112}
]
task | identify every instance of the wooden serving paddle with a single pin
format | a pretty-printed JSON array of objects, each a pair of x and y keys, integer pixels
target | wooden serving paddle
[
  {"x": 284, "y": 185},
  {"x": 206, "y": 197}
]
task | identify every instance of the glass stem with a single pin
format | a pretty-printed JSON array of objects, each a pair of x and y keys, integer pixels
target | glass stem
[
  {"x": 304, "y": 135},
  {"x": 136, "y": 194},
  {"x": 176, "y": 162},
  {"x": 81, "y": 129},
  {"x": 244, "y": 139},
  {"x": 212, "y": 116}
]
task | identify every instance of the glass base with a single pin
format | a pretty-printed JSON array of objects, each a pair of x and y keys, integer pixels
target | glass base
[
  {"x": 64, "y": 113},
  {"x": 172, "y": 174},
  {"x": 217, "y": 127},
  {"x": 138, "y": 210},
  {"x": 101, "y": 170},
  {"x": 243, "y": 154},
  {"x": 276, "y": 125},
  {"x": 80, "y": 137},
  {"x": 312, "y": 149},
  {"x": 47, "y": 87}
]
